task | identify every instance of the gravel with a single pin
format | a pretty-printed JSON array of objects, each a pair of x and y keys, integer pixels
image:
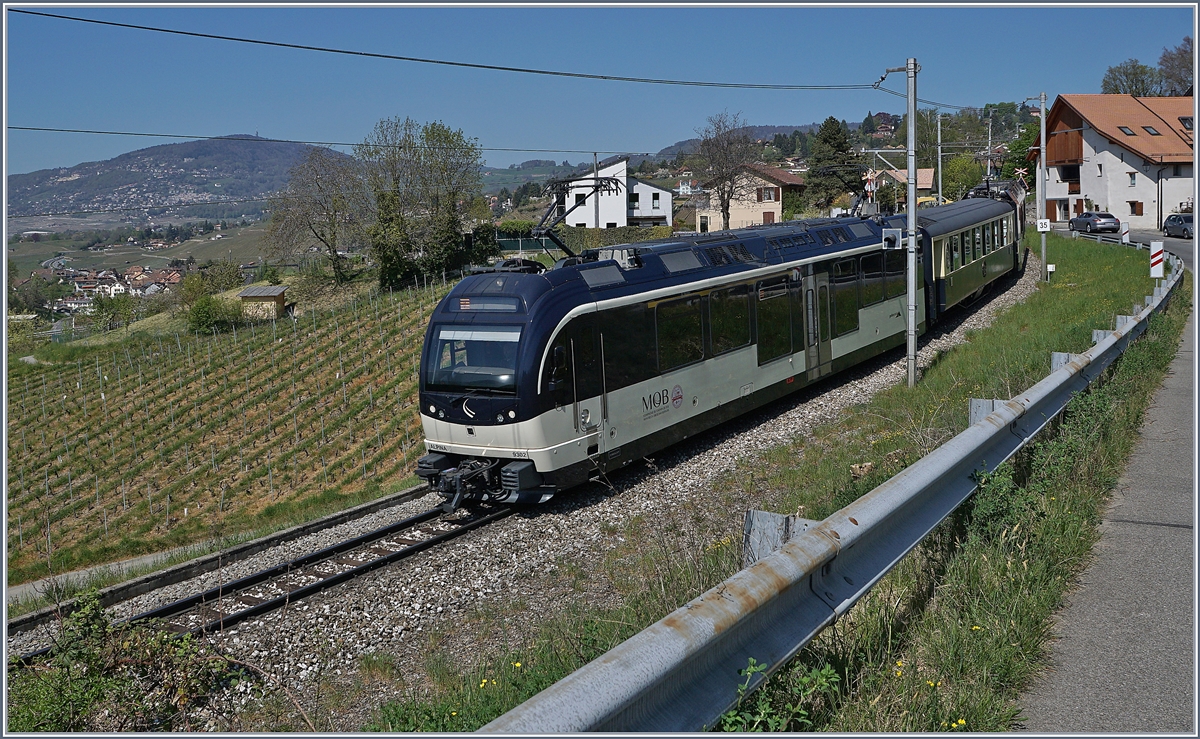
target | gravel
[{"x": 511, "y": 568}]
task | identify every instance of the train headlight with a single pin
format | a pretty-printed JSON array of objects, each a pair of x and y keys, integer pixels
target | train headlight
[
  {"x": 499, "y": 418},
  {"x": 512, "y": 414},
  {"x": 441, "y": 414},
  {"x": 432, "y": 409}
]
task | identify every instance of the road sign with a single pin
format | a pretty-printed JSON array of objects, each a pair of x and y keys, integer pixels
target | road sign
[
  {"x": 1043, "y": 225},
  {"x": 1021, "y": 171},
  {"x": 1156, "y": 259},
  {"x": 1125, "y": 232}
]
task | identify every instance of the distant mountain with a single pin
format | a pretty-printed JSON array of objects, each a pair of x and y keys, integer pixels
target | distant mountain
[
  {"x": 687, "y": 146},
  {"x": 171, "y": 176}
]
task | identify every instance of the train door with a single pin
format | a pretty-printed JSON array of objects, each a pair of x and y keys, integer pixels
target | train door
[
  {"x": 590, "y": 406},
  {"x": 818, "y": 353}
]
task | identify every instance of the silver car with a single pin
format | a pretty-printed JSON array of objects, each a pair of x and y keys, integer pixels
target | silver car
[
  {"x": 1179, "y": 224},
  {"x": 1094, "y": 221}
]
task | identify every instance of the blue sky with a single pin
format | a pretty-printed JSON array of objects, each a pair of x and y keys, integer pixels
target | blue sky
[{"x": 65, "y": 74}]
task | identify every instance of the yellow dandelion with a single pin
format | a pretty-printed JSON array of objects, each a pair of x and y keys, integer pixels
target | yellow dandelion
[
  {"x": 517, "y": 665},
  {"x": 899, "y": 663},
  {"x": 929, "y": 682},
  {"x": 454, "y": 713},
  {"x": 482, "y": 683},
  {"x": 976, "y": 628},
  {"x": 899, "y": 673},
  {"x": 493, "y": 682},
  {"x": 961, "y": 722},
  {"x": 939, "y": 684}
]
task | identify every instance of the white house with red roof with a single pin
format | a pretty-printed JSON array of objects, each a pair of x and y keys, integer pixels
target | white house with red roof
[{"x": 1129, "y": 156}]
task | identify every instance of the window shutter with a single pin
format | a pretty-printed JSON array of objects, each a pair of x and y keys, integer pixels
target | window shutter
[
  {"x": 1139, "y": 208},
  {"x": 777, "y": 196},
  {"x": 760, "y": 194}
]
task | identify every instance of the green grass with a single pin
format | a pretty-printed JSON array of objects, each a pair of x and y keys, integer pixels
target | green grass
[{"x": 934, "y": 589}]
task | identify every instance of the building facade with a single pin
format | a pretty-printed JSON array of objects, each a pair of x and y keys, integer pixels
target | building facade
[
  {"x": 763, "y": 186},
  {"x": 637, "y": 203},
  {"x": 1129, "y": 156}
]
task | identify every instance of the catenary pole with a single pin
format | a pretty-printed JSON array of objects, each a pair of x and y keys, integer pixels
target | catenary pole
[
  {"x": 911, "y": 68},
  {"x": 1041, "y": 184}
]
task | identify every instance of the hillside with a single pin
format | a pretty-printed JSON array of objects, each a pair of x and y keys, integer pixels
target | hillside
[
  {"x": 170, "y": 175},
  {"x": 154, "y": 442}
]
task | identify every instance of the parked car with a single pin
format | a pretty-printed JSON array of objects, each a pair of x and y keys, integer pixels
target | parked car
[
  {"x": 1179, "y": 224},
  {"x": 1094, "y": 221}
]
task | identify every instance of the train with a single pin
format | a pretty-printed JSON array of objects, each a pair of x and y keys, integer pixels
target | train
[{"x": 533, "y": 380}]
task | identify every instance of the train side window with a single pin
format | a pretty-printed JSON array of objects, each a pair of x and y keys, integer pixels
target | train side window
[
  {"x": 845, "y": 296},
  {"x": 729, "y": 319},
  {"x": 978, "y": 242},
  {"x": 872, "y": 278},
  {"x": 557, "y": 378},
  {"x": 629, "y": 331},
  {"x": 680, "y": 333},
  {"x": 894, "y": 264},
  {"x": 774, "y": 320},
  {"x": 955, "y": 256},
  {"x": 1004, "y": 231},
  {"x": 987, "y": 238}
]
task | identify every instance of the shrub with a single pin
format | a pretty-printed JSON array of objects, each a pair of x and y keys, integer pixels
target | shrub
[{"x": 209, "y": 312}]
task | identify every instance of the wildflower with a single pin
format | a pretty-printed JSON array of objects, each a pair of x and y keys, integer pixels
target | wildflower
[
  {"x": 517, "y": 665},
  {"x": 975, "y": 628},
  {"x": 929, "y": 682},
  {"x": 939, "y": 683},
  {"x": 482, "y": 683},
  {"x": 899, "y": 673},
  {"x": 454, "y": 713},
  {"x": 899, "y": 663},
  {"x": 493, "y": 682},
  {"x": 961, "y": 722}
]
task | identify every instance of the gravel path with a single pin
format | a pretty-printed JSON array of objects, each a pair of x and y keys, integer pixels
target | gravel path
[{"x": 511, "y": 567}]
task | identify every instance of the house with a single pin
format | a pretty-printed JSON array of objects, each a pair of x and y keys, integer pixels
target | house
[
  {"x": 1126, "y": 155},
  {"x": 899, "y": 180},
  {"x": 637, "y": 203},
  {"x": 764, "y": 187}
]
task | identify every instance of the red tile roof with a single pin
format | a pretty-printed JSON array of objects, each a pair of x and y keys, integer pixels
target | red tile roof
[{"x": 1106, "y": 113}]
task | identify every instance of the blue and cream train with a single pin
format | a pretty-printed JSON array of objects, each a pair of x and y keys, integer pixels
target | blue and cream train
[{"x": 535, "y": 381}]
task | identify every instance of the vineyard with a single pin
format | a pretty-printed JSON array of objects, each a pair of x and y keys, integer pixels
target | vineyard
[{"x": 150, "y": 444}]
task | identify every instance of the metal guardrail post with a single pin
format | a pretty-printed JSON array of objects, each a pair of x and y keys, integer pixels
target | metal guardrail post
[{"x": 681, "y": 673}]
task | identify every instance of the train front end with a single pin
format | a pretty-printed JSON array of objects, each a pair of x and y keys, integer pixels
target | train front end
[{"x": 478, "y": 392}]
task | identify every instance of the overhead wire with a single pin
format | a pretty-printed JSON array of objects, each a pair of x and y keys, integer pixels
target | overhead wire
[{"x": 444, "y": 62}]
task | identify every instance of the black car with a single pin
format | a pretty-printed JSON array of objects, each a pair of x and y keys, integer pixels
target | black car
[
  {"x": 1179, "y": 224},
  {"x": 1094, "y": 221}
]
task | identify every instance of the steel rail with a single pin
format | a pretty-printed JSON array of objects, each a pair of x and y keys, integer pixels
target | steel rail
[
  {"x": 681, "y": 673},
  {"x": 229, "y": 591}
]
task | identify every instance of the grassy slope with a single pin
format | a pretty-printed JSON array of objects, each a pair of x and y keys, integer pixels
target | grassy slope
[{"x": 923, "y": 596}]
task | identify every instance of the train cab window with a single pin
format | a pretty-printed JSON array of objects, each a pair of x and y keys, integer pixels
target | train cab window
[
  {"x": 894, "y": 262},
  {"x": 871, "y": 267},
  {"x": 729, "y": 318},
  {"x": 627, "y": 331},
  {"x": 680, "y": 333},
  {"x": 474, "y": 357},
  {"x": 845, "y": 296},
  {"x": 774, "y": 320}
]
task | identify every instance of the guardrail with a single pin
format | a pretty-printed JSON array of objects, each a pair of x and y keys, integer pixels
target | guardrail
[{"x": 680, "y": 674}]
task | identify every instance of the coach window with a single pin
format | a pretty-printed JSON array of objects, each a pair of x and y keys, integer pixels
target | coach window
[
  {"x": 628, "y": 331},
  {"x": 845, "y": 296},
  {"x": 872, "y": 278},
  {"x": 774, "y": 320},
  {"x": 987, "y": 238},
  {"x": 955, "y": 257},
  {"x": 680, "y": 333},
  {"x": 1004, "y": 231},
  {"x": 729, "y": 318},
  {"x": 978, "y": 242},
  {"x": 894, "y": 262}
]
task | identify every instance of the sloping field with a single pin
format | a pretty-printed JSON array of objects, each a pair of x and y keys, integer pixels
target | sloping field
[{"x": 147, "y": 444}]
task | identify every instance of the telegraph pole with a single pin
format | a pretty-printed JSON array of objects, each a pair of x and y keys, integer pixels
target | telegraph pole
[
  {"x": 596, "y": 175},
  {"x": 989, "y": 153},
  {"x": 911, "y": 69},
  {"x": 941, "y": 197},
  {"x": 1041, "y": 184}
]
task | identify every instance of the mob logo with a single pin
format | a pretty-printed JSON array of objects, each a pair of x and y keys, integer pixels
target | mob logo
[{"x": 655, "y": 400}]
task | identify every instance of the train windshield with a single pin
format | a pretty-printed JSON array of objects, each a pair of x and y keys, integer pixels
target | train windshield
[{"x": 473, "y": 357}]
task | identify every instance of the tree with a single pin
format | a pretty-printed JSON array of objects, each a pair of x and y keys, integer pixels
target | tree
[
  {"x": 323, "y": 205},
  {"x": 725, "y": 148},
  {"x": 113, "y": 311},
  {"x": 1131, "y": 77},
  {"x": 424, "y": 181},
  {"x": 962, "y": 173},
  {"x": 833, "y": 167},
  {"x": 1017, "y": 150},
  {"x": 1175, "y": 67}
]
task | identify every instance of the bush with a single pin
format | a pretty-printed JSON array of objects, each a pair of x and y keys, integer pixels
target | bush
[{"x": 208, "y": 313}]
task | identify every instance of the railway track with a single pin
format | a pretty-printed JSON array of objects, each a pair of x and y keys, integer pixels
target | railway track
[{"x": 274, "y": 588}]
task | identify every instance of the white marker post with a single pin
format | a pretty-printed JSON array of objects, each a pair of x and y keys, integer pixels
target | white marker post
[
  {"x": 1156, "y": 259},
  {"x": 1125, "y": 232}
]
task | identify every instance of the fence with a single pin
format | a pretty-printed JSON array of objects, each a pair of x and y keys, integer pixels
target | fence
[{"x": 680, "y": 674}]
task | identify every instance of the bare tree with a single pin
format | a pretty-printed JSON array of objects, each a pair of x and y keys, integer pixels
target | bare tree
[
  {"x": 324, "y": 205},
  {"x": 725, "y": 148},
  {"x": 1131, "y": 77},
  {"x": 1175, "y": 65}
]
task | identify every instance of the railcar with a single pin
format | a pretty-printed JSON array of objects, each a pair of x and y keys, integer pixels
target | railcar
[{"x": 532, "y": 381}]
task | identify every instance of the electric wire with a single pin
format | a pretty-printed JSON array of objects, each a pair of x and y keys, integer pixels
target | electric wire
[{"x": 443, "y": 62}]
